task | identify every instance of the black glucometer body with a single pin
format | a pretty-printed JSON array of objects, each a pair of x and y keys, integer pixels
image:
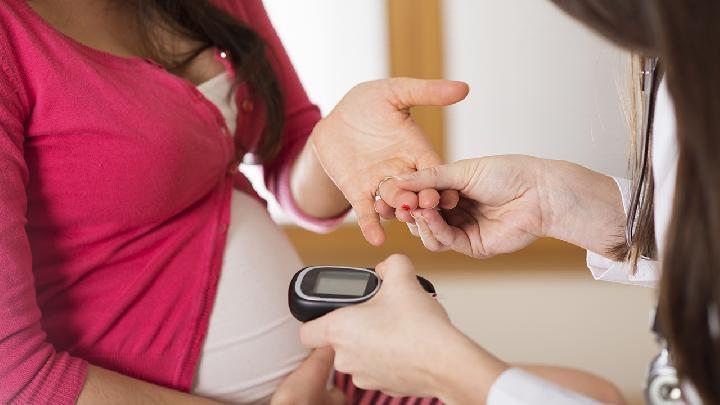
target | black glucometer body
[{"x": 314, "y": 291}]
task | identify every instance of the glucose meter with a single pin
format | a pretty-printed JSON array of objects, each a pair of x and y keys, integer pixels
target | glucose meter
[{"x": 315, "y": 291}]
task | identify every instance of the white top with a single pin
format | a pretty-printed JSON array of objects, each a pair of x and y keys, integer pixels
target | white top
[
  {"x": 252, "y": 341},
  {"x": 517, "y": 387}
]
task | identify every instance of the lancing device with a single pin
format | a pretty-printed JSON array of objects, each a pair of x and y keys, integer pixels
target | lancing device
[{"x": 315, "y": 291}]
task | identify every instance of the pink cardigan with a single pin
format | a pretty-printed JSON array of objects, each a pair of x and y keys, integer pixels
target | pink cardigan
[{"x": 114, "y": 205}]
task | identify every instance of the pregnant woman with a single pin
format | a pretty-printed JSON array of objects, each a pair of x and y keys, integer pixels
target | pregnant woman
[{"x": 129, "y": 241}]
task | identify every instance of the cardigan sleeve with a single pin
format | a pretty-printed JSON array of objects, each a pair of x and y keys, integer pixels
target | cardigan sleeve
[
  {"x": 31, "y": 371},
  {"x": 301, "y": 115}
]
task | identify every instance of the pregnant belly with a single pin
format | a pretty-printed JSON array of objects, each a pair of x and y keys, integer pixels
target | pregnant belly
[{"x": 252, "y": 341}]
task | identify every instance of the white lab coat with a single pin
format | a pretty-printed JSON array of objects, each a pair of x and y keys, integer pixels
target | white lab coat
[{"x": 517, "y": 387}]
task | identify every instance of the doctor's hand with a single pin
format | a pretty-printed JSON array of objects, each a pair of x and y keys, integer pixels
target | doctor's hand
[
  {"x": 507, "y": 202},
  {"x": 370, "y": 135},
  {"x": 401, "y": 342}
]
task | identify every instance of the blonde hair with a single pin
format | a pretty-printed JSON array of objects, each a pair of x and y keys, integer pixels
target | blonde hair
[{"x": 642, "y": 239}]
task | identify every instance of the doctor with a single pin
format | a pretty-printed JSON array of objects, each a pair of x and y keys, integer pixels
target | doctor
[{"x": 402, "y": 342}]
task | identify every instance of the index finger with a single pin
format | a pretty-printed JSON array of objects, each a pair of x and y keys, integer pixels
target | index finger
[{"x": 428, "y": 198}]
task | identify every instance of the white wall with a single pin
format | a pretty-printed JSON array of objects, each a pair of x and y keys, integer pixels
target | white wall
[
  {"x": 333, "y": 45},
  {"x": 540, "y": 84}
]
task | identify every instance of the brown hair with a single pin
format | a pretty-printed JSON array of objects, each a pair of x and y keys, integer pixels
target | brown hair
[
  {"x": 207, "y": 26},
  {"x": 686, "y": 37}
]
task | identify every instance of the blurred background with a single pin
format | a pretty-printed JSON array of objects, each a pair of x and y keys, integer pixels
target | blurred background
[{"x": 541, "y": 84}]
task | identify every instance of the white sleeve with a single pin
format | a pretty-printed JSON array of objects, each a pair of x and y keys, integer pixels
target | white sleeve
[
  {"x": 518, "y": 387},
  {"x": 604, "y": 269}
]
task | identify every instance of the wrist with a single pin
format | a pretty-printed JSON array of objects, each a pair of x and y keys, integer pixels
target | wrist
[
  {"x": 466, "y": 372},
  {"x": 312, "y": 189},
  {"x": 553, "y": 194},
  {"x": 580, "y": 206}
]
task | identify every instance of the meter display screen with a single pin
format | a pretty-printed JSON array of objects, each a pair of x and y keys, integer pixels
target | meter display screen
[{"x": 341, "y": 283}]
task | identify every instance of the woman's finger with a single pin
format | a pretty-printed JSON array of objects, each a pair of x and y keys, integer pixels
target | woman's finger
[
  {"x": 404, "y": 216},
  {"x": 385, "y": 211},
  {"x": 428, "y": 198},
  {"x": 427, "y": 236},
  {"x": 369, "y": 221},
  {"x": 396, "y": 197}
]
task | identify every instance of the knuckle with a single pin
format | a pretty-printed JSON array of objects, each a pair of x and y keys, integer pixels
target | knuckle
[
  {"x": 334, "y": 332},
  {"x": 434, "y": 172},
  {"x": 392, "y": 88},
  {"x": 338, "y": 328},
  {"x": 481, "y": 252}
]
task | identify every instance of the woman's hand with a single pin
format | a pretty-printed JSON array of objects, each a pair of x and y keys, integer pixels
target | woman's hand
[
  {"x": 509, "y": 201},
  {"x": 401, "y": 342},
  {"x": 371, "y": 135},
  {"x": 308, "y": 384}
]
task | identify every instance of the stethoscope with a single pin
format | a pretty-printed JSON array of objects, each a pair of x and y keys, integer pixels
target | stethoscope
[{"x": 662, "y": 385}]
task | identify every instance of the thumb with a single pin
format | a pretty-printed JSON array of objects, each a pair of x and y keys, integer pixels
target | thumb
[
  {"x": 396, "y": 268},
  {"x": 453, "y": 176},
  {"x": 407, "y": 92}
]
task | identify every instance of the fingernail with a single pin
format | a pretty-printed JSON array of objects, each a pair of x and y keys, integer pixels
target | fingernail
[{"x": 406, "y": 207}]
